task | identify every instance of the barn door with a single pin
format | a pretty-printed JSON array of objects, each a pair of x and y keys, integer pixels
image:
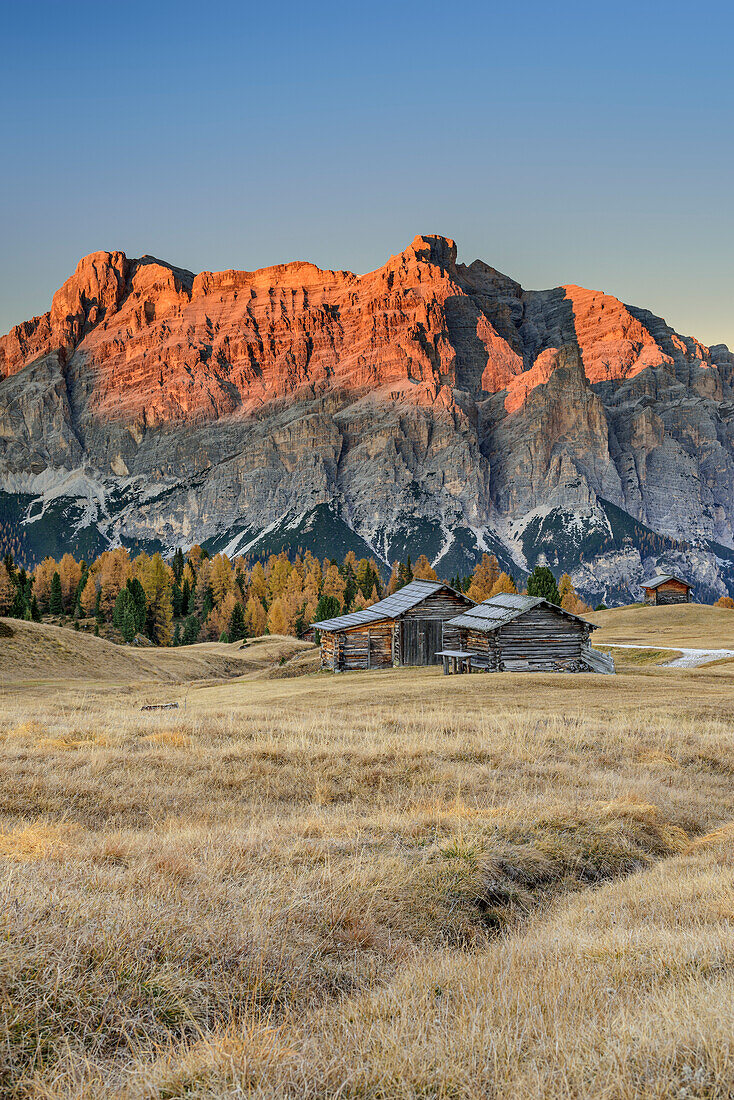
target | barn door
[
  {"x": 421, "y": 639},
  {"x": 409, "y": 642},
  {"x": 434, "y": 640}
]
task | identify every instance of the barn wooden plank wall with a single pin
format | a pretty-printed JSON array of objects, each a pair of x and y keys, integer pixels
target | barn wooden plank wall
[
  {"x": 671, "y": 597},
  {"x": 368, "y": 648},
  {"x": 412, "y": 638},
  {"x": 539, "y": 639},
  {"x": 328, "y": 650},
  {"x": 479, "y": 643},
  {"x": 450, "y": 637},
  {"x": 668, "y": 592},
  {"x": 540, "y": 636},
  {"x": 444, "y": 605}
]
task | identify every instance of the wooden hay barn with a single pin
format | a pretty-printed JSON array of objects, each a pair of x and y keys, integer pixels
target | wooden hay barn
[
  {"x": 665, "y": 588},
  {"x": 526, "y": 633},
  {"x": 406, "y": 628}
]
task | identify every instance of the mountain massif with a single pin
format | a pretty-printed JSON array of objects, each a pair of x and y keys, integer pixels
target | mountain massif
[{"x": 428, "y": 406}]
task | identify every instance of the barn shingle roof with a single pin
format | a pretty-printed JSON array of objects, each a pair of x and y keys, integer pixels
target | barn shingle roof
[
  {"x": 498, "y": 610},
  {"x": 389, "y": 608},
  {"x": 662, "y": 578}
]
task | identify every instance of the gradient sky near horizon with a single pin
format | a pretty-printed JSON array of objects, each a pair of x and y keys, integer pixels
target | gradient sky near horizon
[{"x": 562, "y": 143}]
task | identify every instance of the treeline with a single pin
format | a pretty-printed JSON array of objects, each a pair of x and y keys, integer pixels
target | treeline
[
  {"x": 195, "y": 597},
  {"x": 648, "y": 543},
  {"x": 13, "y": 540}
]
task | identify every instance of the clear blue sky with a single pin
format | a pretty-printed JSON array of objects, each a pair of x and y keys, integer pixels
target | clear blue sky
[{"x": 577, "y": 142}]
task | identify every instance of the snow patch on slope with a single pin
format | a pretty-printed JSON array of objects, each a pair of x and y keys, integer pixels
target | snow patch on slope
[{"x": 449, "y": 539}]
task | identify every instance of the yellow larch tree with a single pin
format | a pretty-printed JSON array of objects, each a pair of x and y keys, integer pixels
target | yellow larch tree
[
  {"x": 258, "y": 582},
  {"x": 570, "y": 599},
  {"x": 70, "y": 573},
  {"x": 188, "y": 575},
  {"x": 89, "y": 593},
  {"x": 565, "y": 586},
  {"x": 203, "y": 580},
  {"x": 503, "y": 584},
  {"x": 278, "y": 617},
  {"x": 484, "y": 578},
  {"x": 220, "y": 578},
  {"x": 392, "y": 584},
  {"x": 279, "y": 571},
  {"x": 196, "y": 556},
  {"x": 313, "y": 573},
  {"x": 157, "y": 583},
  {"x": 42, "y": 581},
  {"x": 218, "y": 621},
  {"x": 114, "y": 574},
  {"x": 255, "y": 617},
  {"x": 359, "y": 601},
  {"x": 334, "y": 584},
  {"x": 6, "y": 589},
  {"x": 423, "y": 570}
]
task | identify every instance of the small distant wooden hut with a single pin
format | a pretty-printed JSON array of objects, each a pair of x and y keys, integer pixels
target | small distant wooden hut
[
  {"x": 666, "y": 588},
  {"x": 406, "y": 628},
  {"x": 526, "y": 633}
]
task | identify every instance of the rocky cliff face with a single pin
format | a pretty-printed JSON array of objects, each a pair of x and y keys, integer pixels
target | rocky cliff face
[{"x": 427, "y": 406}]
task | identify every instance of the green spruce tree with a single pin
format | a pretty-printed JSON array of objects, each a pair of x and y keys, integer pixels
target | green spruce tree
[
  {"x": 237, "y": 628},
  {"x": 78, "y": 610},
  {"x": 541, "y": 582},
  {"x": 128, "y": 623},
  {"x": 328, "y": 607},
  {"x": 19, "y": 605},
  {"x": 56, "y": 603},
  {"x": 405, "y": 573},
  {"x": 124, "y": 604},
  {"x": 178, "y": 565},
  {"x": 192, "y": 626},
  {"x": 138, "y": 594},
  {"x": 350, "y": 584}
]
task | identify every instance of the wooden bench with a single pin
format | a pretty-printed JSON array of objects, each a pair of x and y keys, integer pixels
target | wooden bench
[{"x": 455, "y": 661}]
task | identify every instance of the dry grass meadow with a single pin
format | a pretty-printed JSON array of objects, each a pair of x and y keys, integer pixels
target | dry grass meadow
[
  {"x": 376, "y": 885},
  {"x": 698, "y": 626}
]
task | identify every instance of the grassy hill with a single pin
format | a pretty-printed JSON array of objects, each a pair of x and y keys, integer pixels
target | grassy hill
[
  {"x": 379, "y": 884},
  {"x": 39, "y": 652},
  {"x": 697, "y": 626}
]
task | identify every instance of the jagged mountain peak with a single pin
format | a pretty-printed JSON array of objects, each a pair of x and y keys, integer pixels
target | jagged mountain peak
[{"x": 421, "y": 400}]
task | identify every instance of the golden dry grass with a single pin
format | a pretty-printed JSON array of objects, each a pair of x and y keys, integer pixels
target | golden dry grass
[
  {"x": 696, "y": 626},
  {"x": 387, "y": 884},
  {"x": 626, "y": 660},
  {"x": 39, "y": 652}
]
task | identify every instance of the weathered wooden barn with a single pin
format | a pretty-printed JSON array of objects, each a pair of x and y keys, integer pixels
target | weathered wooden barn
[
  {"x": 406, "y": 628},
  {"x": 666, "y": 588},
  {"x": 526, "y": 633}
]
